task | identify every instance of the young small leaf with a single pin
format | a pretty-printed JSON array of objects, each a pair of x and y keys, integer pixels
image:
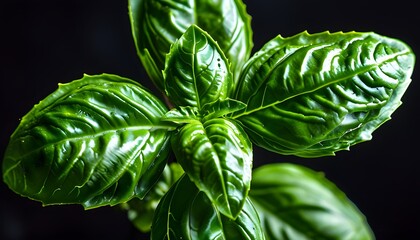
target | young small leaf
[
  {"x": 157, "y": 24},
  {"x": 196, "y": 70},
  {"x": 217, "y": 156},
  {"x": 221, "y": 107},
  {"x": 181, "y": 115},
  {"x": 294, "y": 202},
  {"x": 312, "y": 95},
  {"x": 95, "y": 141},
  {"x": 185, "y": 212}
]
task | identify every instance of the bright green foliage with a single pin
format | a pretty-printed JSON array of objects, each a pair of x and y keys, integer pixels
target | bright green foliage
[
  {"x": 296, "y": 203},
  {"x": 157, "y": 24},
  {"x": 322, "y": 92},
  {"x": 91, "y": 142},
  {"x": 186, "y": 213},
  {"x": 217, "y": 156},
  {"x": 106, "y": 140},
  {"x": 196, "y": 71}
]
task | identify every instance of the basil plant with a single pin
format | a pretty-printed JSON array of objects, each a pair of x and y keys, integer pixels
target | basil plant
[{"x": 181, "y": 165}]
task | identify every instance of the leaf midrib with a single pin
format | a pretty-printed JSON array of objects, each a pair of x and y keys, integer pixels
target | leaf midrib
[{"x": 366, "y": 69}]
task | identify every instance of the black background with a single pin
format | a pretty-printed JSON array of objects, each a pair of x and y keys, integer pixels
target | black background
[{"x": 51, "y": 41}]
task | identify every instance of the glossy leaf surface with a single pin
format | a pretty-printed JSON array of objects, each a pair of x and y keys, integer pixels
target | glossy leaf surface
[
  {"x": 95, "y": 141},
  {"x": 217, "y": 156},
  {"x": 220, "y": 108},
  {"x": 312, "y": 95},
  {"x": 294, "y": 202},
  {"x": 156, "y": 24},
  {"x": 182, "y": 115},
  {"x": 187, "y": 213},
  {"x": 196, "y": 70}
]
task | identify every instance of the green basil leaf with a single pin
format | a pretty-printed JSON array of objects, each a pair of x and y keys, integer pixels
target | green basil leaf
[
  {"x": 217, "y": 156},
  {"x": 141, "y": 211},
  {"x": 187, "y": 213},
  {"x": 312, "y": 95},
  {"x": 180, "y": 115},
  {"x": 196, "y": 70},
  {"x": 95, "y": 141},
  {"x": 221, "y": 107},
  {"x": 156, "y": 24},
  {"x": 294, "y": 202}
]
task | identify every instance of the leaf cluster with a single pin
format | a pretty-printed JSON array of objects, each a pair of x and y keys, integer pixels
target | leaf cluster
[{"x": 184, "y": 169}]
